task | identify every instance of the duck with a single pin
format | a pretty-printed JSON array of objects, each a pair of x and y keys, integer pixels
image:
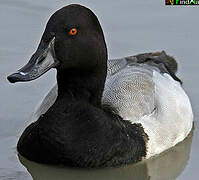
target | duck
[{"x": 107, "y": 113}]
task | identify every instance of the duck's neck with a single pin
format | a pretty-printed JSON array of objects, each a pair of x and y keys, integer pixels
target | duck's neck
[{"x": 81, "y": 85}]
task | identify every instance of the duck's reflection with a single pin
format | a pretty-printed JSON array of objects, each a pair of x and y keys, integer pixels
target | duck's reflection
[{"x": 167, "y": 166}]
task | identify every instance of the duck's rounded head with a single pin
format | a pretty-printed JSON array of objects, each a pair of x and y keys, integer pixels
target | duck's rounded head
[{"x": 73, "y": 40}]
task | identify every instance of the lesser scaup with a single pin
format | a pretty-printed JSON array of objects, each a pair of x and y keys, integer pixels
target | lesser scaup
[{"x": 101, "y": 118}]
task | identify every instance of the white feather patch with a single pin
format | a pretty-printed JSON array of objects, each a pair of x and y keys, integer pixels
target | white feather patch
[{"x": 173, "y": 119}]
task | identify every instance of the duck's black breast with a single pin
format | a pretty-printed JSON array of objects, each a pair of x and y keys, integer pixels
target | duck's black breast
[{"x": 86, "y": 137}]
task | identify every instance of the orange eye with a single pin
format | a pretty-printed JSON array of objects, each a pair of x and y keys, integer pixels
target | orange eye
[{"x": 73, "y": 31}]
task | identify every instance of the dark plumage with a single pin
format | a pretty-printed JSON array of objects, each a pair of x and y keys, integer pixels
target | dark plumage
[{"x": 76, "y": 130}]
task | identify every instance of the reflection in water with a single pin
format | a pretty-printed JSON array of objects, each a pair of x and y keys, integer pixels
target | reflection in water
[{"x": 167, "y": 166}]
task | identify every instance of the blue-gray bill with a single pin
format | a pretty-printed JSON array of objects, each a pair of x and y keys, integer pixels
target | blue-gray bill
[{"x": 41, "y": 61}]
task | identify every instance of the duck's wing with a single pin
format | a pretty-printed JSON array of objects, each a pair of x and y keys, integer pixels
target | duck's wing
[
  {"x": 164, "y": 62},
  {"x": 155, "y": 58},
  {"x": 130, "y": 88},
  {"x": 148, "y": 92}
]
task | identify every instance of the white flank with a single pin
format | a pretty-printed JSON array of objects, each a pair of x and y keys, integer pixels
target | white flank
[{"x": 172, "y": 121}]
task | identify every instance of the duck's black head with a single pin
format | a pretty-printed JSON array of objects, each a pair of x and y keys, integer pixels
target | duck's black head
[{"x": 72, "y": 41}]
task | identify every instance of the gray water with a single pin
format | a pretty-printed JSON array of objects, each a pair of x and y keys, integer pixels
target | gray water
[{"x": 130, "y": 27}]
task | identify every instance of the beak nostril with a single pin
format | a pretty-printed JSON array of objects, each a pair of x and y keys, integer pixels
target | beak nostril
[{"x": 41, "y": 60}]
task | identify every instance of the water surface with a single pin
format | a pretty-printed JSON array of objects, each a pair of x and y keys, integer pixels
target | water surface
[{"x": 130, "y": 27}]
